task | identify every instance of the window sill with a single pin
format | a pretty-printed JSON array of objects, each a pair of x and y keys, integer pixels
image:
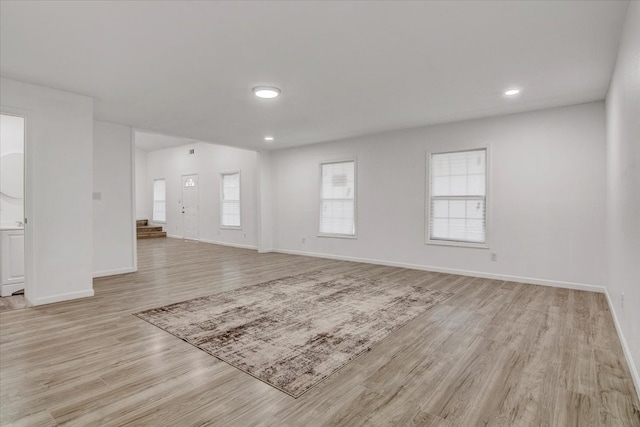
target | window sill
[
  {"x": 230, "y": 227},
  {"x": 458, "y": 244},
  {"x": 338, "y": 236}
]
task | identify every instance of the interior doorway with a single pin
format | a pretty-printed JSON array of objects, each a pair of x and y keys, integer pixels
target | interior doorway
[
  {"x": 190, "y": 207},
  {"x": 12, "y": 185}
]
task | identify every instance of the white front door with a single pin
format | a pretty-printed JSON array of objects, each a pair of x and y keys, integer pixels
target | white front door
[{"x": 190, "y": 207}]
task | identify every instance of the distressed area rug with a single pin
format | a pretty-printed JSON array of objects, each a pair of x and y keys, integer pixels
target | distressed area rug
[{"x": 295, "y": 331}]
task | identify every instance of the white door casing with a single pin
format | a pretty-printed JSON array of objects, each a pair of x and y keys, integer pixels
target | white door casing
[{"x": 190, "y": 207}]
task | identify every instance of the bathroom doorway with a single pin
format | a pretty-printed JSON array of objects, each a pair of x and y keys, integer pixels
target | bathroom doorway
[{"x": 12, "y": 248}]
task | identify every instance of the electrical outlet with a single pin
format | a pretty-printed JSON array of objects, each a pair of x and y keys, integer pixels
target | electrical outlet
[
  {"x": 304, "y": 239},
  {"x": 622, "y": 300},
  {"x": 494, "y": 256}
]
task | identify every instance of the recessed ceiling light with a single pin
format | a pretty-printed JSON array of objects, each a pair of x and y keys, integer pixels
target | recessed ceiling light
[
  {"x": 512, "y": 92},
  {"x": 266, "y": 91},
  {"x": 268, "y": 138}
]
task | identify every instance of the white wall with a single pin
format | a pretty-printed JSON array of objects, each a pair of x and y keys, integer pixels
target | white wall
[
  {"x": 623, "y": 190},
  {"x": 265, "y": 206},
  {"x": 546, "y": 197},
  {"x": 113, "y": 225},
  {"x": 143, "y": 188},
  {"x": 59, "y": 133},
  {"x": 208, "y": 162}
]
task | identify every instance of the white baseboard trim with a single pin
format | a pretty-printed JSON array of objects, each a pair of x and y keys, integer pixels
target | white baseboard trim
[
  {"x": 266, "y": 250},
  {"x": 505, "y": 277},
  {"x": 63, "y": 297},
  {"x": 625, "y": 346},
  {"x": 116, "y": 271},
  {"x": 233, "y": 245}
]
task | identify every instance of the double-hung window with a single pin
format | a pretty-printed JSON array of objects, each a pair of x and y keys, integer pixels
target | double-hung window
[
  {"x": 457, "y": 212},
  {"x": 338, "y": 199},
  {"x": 230, "y": 200},
  {"x": 159, "y": 201}
]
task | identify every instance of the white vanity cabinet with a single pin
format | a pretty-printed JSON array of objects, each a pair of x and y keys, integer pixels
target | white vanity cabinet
[{"x": 11, "y": 260}]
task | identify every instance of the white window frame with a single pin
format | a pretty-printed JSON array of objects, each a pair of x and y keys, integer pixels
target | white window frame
[
  {"x": 487, "y": 202},
  {"x": 153, "y": 206},
  {"x": 355, "y": 199},
  {"x": 222, "y": 175}
]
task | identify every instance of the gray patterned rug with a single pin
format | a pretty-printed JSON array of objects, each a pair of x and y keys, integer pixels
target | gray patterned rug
[{"x": 295, "y": 331}]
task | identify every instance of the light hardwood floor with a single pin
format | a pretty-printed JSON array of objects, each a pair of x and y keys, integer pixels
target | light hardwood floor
[
  {"x": 15, "y": 302},
  {"x": 496, "y": 353}
]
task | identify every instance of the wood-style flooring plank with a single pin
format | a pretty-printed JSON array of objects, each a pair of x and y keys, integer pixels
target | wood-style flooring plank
[{"x": 495, "y": 353}]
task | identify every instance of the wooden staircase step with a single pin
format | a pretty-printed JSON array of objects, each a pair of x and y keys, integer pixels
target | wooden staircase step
[
  {"x": 151, "y": 235},
  {"x": 146, "y": 231},
  {"x": 145, "y": 228}
]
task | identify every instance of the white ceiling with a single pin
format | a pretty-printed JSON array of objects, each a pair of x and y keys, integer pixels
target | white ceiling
[
  {"x": 149, "y": 141},
  {"x": 345, "y": 68}
]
